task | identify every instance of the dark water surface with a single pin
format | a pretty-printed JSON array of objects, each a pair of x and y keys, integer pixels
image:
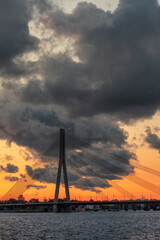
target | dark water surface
[{"x": 88, "y": 225}]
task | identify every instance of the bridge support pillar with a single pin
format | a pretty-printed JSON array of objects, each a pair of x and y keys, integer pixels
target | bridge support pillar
[
  {"x": 62, "y": 165},
  {"x": 61, "y": 209}
]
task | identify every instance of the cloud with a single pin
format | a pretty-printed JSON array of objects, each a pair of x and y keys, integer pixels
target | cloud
[
  {"x": 26, "y": 155},
  {"x": 27, "y": 126},
  {"x": 10, "y": 168},
  {"x": 22, "y": 175},
  {"x": 89, "y": 168},
  {"x": 152, "y": 139},
  {"x": 48, "y": 175},
  {"x": 36, "y": 187},
  {"x": 11, "y": 179},
  {"x": 118, "y": 69},
  {"x": 91, "y": 184},
  {"x": 42, "y": 174},
  {"x": 115, "y": 77},
  {"x": 97, "y": 130},
  {"x": 42, "y": 5},
  {"x": 15, "y": 38},
  {"x": 38, "y": 129},
  {"x": 105, "y": 164}
]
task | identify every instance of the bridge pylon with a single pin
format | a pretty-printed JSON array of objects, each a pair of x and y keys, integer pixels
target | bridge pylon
[{"x": 62, "y": 164}]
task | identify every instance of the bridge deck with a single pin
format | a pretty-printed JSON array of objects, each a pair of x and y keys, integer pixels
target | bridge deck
[{"x": 81, "y": 203}]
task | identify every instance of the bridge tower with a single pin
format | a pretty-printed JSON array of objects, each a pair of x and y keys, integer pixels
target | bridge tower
[{"x": 62, "y": 164}]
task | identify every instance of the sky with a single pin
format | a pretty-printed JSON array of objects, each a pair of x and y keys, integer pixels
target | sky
[{"x": 91, "y": 67}]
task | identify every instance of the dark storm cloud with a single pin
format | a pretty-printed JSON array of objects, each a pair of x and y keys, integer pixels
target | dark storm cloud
[
  {"x": 96, "y": 130},
  {"x": 152, "y": 139},
  {"x": 42, "y": 174},
  {"x": 89, "y": 166},
  {"x": 38, "y": 129},
  {"x": 10, "y": 168},
  {"x": 38, "y": 187},
  {"x": 42, "y": 5},
  {"x": 103, "y": 163},
  {"x": 119, "y": 54},
  {"x": 27, "y": 126},
  {"x": 11, "y": 179},
  {"x": 15, "y": 37},
  {"x": 117, "y": 75},
  {"x": 14, "y": 34},
  {"x": 48, "y": 175},
  {"x": 95, "y": 165},
  {"x": 91, "y": 184}
]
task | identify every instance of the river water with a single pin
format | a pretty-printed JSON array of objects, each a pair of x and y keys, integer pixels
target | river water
[{"x": 88, "y": 225}]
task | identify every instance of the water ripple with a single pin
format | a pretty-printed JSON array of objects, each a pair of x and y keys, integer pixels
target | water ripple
[{"x": 122, "y": 225}]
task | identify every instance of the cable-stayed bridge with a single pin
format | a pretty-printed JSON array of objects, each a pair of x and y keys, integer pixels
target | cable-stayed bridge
[{"x": 21, "y": 185}]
